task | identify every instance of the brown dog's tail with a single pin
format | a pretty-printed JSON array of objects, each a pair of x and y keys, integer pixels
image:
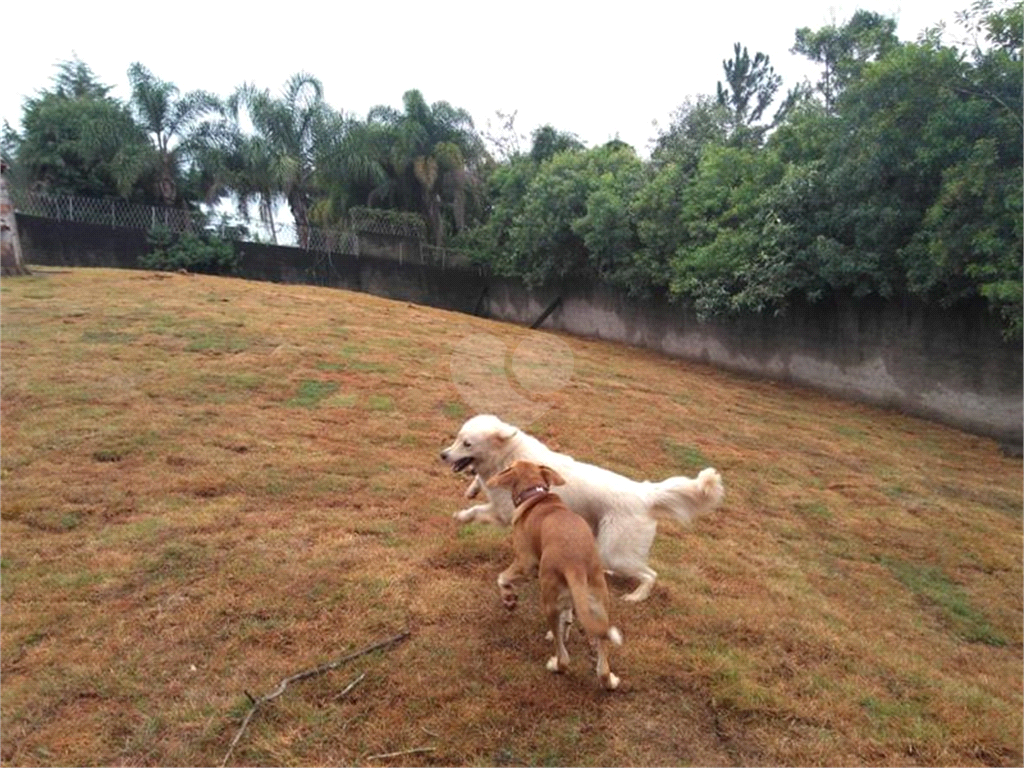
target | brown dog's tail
[{"x": 592, "y": 614}]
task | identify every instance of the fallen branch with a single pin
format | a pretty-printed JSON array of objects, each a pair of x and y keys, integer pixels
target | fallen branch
[
  {"x": 399, "y": 754},
  {"x": 302, "y": 676}
]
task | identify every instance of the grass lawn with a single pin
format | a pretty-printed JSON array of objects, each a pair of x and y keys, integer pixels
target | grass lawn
[{"x": 209, "y": 485}]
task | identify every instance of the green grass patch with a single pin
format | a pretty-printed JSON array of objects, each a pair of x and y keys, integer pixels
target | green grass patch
[
  {"x": 686, "y": 458},
  {"x": 380, "y": 403},
  {"x": 108, "y": 337},
  {"x": 931, "y": 585},
  {"x": 342, "y": 400},
  {"x": 312, "y": 392},
  {"x": 814, "y": 509},
  {"x": 455, "y": 409},
  {"x": 216, "y": 341}
]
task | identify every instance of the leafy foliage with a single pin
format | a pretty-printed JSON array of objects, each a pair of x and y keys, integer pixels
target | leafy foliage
[
  {"x": 750, "y": 87},
  {"x": 384, "y": 221},
  {"x": 567, "y": 217},
  {"x": 843, "y": 51},
  {"x": 280, "y": 159},
  {"x": 75, "y": 138},
  {"x": 188, "y": 251},
  {"x": 176, "y": 127}
]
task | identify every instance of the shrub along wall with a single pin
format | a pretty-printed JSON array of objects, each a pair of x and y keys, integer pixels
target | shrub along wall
[{"x": 950, "y": 365}]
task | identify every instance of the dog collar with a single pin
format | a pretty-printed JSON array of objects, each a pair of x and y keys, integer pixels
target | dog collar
[{"x": 529, "y": 493}]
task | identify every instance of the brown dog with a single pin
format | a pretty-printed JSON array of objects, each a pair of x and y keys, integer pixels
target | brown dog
[{"x": 549, "y": 537}]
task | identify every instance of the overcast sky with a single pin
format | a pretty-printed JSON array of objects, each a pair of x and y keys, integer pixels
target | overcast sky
[{"x": 597, "y": 70}]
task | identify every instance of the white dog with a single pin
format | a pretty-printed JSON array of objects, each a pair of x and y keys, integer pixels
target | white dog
[{"x": 620, "y": 511}]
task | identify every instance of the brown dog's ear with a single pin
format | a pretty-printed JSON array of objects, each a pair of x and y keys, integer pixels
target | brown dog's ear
[
  {"x": 551, "y": 477},
  {"x": 501, "y": 479}
]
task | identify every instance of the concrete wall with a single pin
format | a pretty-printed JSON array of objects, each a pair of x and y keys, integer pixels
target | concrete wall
[{"x": 949, "y": 365}]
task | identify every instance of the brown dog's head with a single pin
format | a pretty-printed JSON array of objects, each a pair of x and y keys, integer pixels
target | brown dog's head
[{"x": 525, "y": 479}]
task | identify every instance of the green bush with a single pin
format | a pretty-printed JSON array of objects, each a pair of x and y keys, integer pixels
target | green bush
[{"x": 204, "y": 253}]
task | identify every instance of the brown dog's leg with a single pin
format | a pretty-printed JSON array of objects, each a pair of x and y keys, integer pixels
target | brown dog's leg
[
  {"x": 604, "y": 672},
  {"x": 599, "y": 587},
  {"x": 506, "y": 580},
  {"x": 557, "y": 622}
]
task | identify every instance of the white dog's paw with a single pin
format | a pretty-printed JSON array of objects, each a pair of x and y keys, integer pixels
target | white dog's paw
[
  {"x": 639, "y": 594},
  {"x": 465, "y": 515},
  {"x": 553, "y": 665},
  {"x": 550, "y": 636},
  {"x": 612, "y": 682}
]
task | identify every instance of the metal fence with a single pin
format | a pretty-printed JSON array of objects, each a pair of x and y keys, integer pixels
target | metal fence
[
  {"x": 113, "y": 213},
  {"x": 327, "y": 240}
]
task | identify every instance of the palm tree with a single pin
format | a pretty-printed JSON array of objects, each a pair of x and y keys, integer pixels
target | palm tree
[
  {"x": 174, "y": 122},
  {"x": 242, "y": 167},
  {"x": 290, "y": 130},
  {"x": 432, "y": 155},
  {"x": 349, "y": 170}
]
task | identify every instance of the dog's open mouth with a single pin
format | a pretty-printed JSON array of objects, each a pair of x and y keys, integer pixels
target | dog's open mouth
[{"x": 461, "y": 464}]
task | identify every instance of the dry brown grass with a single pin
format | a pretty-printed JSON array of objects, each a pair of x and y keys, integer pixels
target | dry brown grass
[{"x": 210, "y": 484}]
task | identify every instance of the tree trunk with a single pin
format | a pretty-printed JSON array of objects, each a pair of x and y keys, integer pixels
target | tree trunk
[
  {"x": 301, "y": 217},
  {"x": 11, "y": 260},
  {"x": 168, "y": 189}
]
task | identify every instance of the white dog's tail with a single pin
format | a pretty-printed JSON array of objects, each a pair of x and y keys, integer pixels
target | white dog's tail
[{"x": 686, "y": 498}]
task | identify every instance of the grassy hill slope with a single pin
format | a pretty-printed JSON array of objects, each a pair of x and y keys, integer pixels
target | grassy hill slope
[{"x": 209, "y": 485}]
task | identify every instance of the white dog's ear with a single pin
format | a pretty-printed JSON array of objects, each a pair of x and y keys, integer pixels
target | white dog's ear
[
  {"x": 551, "y": 477},
  {"x": 506, "y": 432}
]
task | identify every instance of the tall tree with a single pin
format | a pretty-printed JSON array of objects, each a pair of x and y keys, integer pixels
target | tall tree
[
  {"x": 696, "y": 124},
  {"x": 548, "y": 142},
  {"x": 292, "y": 127},
  {"x": 348, "y": 167},
  {"x": 749, "y": 89},
  {"x": 844, "y": 50},
  {"x": 433, "y": 158},
  {"x": 75, "y": 137},
  {"x": 177, "y": 126}
]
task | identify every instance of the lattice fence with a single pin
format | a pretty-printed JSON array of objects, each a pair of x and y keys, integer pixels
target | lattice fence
[
  {"x": 113, "y": 213},
  {"x": 328, "y": 240}
]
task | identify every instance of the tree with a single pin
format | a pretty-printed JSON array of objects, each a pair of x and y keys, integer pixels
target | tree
[
  {"x": 505, "y": 143},
  {"x": 291, "y": 128},
  {"x": 722, "y": 224},
  {"x": 971, "y": 238},
  {"x": 843, "y": 51},
  {"x": 573, "y": 218},
  {"x": 548, "y": 142},
  {"x": 431, "y": 157},
  {"x": 750, "y": 86},
  {"x": 247, "y": 171},
  {"x": 348, "y": 167},
  {"x": 696, "y": 124},
  {"x": 75, "y": 138},
  {"x": 11, "y": 260},
  {"x": 176, "y": 127}
]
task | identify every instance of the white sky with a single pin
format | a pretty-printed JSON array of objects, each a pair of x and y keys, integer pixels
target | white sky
[{"x": 597, "y": 71}]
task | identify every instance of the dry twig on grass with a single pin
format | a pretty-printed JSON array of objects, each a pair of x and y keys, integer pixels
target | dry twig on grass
[
  {"x": 310, "y": 673},
  {"x": 399, "y": 754}
]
